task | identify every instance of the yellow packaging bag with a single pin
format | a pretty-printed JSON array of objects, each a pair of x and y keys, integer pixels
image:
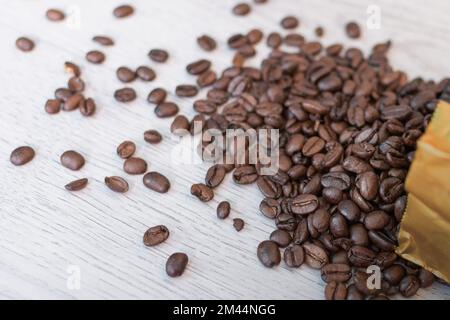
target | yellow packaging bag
[{"x": 424, "y": 236}]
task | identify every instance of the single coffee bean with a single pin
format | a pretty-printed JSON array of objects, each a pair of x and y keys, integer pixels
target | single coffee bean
[
  {"x": 353, "y": 30},
  {"x": 338, "y": 180},
  {"x": 312, "y": 146},
  {"x": 294, "y": 256},
  {"x": 53, "y": 106},
  {"x": 117, "y": 184},
  {"x": 72, "y": 68},
  {"x": 145, "y": 73},
  {"x": 270, "y": 208},
  {"x": 186, "y": 90},
  {"x": 152, "y": 136},
  {"x": 336, "y": 272},
  {"x": 157, "y": 96},
  {"x": 338, "y": 226},
  {"x": 198, "y": 67},
  {"x": 385, "y": 259},
  {"x": 426, "y": 278},
  {"x": 254, "y": 36},
  {"x": 289, "y": 22},
  {"x": 103, "y": 40},
  {"x": 73, "y": 102},
  {"x": 238, "y": 224},
  {"x": 215, "y": 175},
  {"x": 77, "y": 185},
  {"x": 315, "y": 256},
  {"x": 55, "y": 15},
  {"x": 176, "y": 264},
  {"x": 335, "y": 291},
  {"x": 361, "y": 256},
  {"x": 206, "y": 43},
  {"x": 319, "y": 31},
  {"x": 63, "y": 94},
  {"x": 281, "y": 237},
  {"x": 123, "y": 11},
  {"x": 166, "y": 109},
  {"x": 359, "y": 235},
  {"x": 223, "y": 210},
  {"x": 269, "y": 253},
  {"x": 125, "y": 94},
  {"x": 268, "y": 188},
  {"x": 21, "y": 155},
  {"x": 274, "y": 40},
  {"x": 367, "y": 184},
  {"x": 304, "y": 204},
  {"x": 75, "y": 84},
  {"x": 394, "y": 274},
  {"x": 24, "y": 44},
  {"x": 180, "y": 126},
  {"x": 376, "y": 220},
  {"x": 125, "y": 74},
  {"x": 245, "y": 174},
  {"x": 88, "y": 108},
  {"x": 72, "y": 160},
  {"x": 135, "y": 165},
  {"x": 202, "y": 192},
  {"x": 156, "y": 235},
  {"x": 409, "y": 286},
  {"x": 207, "y": 78},
  {"x": 156, "y": 182},
  {"x": 241, "y": 9},
  {"x": 95, "y": 56},
  {"x": 349, "y": 210},
  {"x": 158, "y": 55}
]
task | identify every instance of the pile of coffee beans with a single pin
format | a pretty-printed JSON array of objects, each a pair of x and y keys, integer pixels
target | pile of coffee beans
[{"x": 348, "y": 127}]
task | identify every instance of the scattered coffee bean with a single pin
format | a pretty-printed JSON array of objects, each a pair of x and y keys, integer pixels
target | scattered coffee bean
[
  {"x": 315, "y": 257},
  {"x": 158, "y": 55},
  {"x": 24, "y": 44},
  {"x": 126, "y": 149},
  {"x": 289, "y": 22},
  {"x": 180, "y": 126},
  {"x": 53, "y": 106},
  {"x": 207, "y": 78},
  {"x": 281, "y": 237},
  {"x": 72, "y": 160},
  {"x": 88, "y": 108},
  {"x": 353, "y": 30},
  {"x": 73, "y": 102},
  {"x": 152, "y": 136},
  {"x": 157, "y": 96},
  {"x": 77, "y": 185},
  {"x": 269, "y": 253},
  {"x": 206, "y": 43},
  {"x": 254, "y": 36},
  {"x": 117, "y": 184},
  {"x": 134, "y": 165},
  {"x": 125, "y": 74},
  {"x": 55, "y": 15},
  {"x": 72, "y": 68},
  {"x": 241, "y": 9},
  {"x": 409, "y": 286},
  {"x": 176, "y": 264},
  {"x": 145, "y": 73},
  {"x": 238, "y": 224},
  {"x": 21, "y": 155},
  {"x": 123, "y": 11},
  {"x": 125, "y": 94},
  {"x": 156, "y": 182},
  {"x": 166, "y": 109},
  {"x": 223, "y": 210},
  {"x": 156, "y": 235},
  {"x": 215, "y": 175},
  {"x": 103, "y": 40},
  {"x": 274, "y": 40},
  {"x": 202, "y": 192},
  {"x": 319, "y": 31},
  {"x": 76, "y": 84},
  {"x": 186, "y": 90},
  {"x": 95, "y": 56}
]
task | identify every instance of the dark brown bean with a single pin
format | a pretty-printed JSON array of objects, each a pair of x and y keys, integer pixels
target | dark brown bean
[
  {"x": 134, "y": 165},
  {"x": 88, "y": 108},
  {"x": 21, "y": 155},
  {"x": 223, "y": 210},
  {"x": 145, "y": 73},
  {"x": 125, "y": 74},
  {"x": 166, "y": 109},
  {"x": 198, "y": 67},
  {"x": 294, "y": 256},
  {"x": 55, "y": 15},
  {"x": 152, "y": 136},
  {"x": 156, "y": 235},
  {"x": 156, "y": 182},
  {"x": 353, "y": 30},
  {"x": 202, "y": 192},
  {"x": 53, "y": 106},
  {"x": 125, "y": 95},
  {"x": 117, "y": 184},
  {"x": 269, "y": 253},
  {"x": 123, "y": 11},
  {"x": 95, "y": 56},
  {"x": 238, "y": 224},
  {"x": 158, "y": 55},
  {"x": 206, "y": 42},
  {"x": 103, "y": 40},
  {"x": 157, "y": 96},
  {"x": 176, "y": 264},
  {"x": 289, "y": 22},
  {"x": 241, "y": 9},
  {"x": 72, "y": 160},
  {"x": 215, "y": 175},
  {"x": 76, "y": 185},
  {"x": 186, "y": 90},
  {"x": 24, "y": 44}
]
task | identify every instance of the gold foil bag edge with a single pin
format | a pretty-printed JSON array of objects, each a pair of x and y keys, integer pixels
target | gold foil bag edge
[{"x": 424, "y": 236}]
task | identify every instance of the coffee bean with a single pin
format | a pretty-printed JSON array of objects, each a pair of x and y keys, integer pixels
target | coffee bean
[
  {"x": 21, "y": 155},
  {"x": 24, "y": 44},
  {"x": 55, "y": 15},
  {"x": 281, "y": 237},
  {"x": 241, "y": 9},
  {"x": 72, "y": 160},
  {"x": 73, "y": 102},
  {"x": 103, "y": 40},
  {"x": 202, "y": 192},
  {"x": 134, "y": 165},
  {"x": 274, "y": 40},
  {"x": 409, "y": 286},
  {"x": 238, "y": 224},
  {"x": 426, "y": 278},
  {"x": 206, "y": 43},
  {"x": 353, "y": 30},
  {"x": 63, "y": 94},
  {"x": 367, "y": 184},
  {"x": 95, "y": 56},
  {"x": 53, "y": 106},
  {"x": 206, "y": 79},
  {"x": 319, "y": 32},
  {"x": 180, "y": 126},
  {"x": 125, "y": 74},
  {"x": 156, "y": 182},
  {"x": 315, "y": 256},
  {"x": 158, "y": 55},
  {"x": 156, "y": 235},
  {"x": 126, "y": 149},
  {"x": 268, "y": 188},
  {"x": 254, "y": 36},
  {"x": 157, "y": 96},
  {"x": 223, "y": 210},
  {"x": 349, "y": 210},
  {"x": 145, "y": 73},
  {"x": 152, "y": 136},
  {"x": 289, "y": 22},
  {"x": 237, "y": 40},
  {"x": 312, "y": 146},
  {"x": 117, "y": 184},
  {"x": 245, "y": 174},
  {"x": 215, "y": 175},
  {"x": 198, "y": 67},
  {"x": 361, "y": 256},
  {"x": 72, "y": 68},
  {"x": 294, "y": 256},
  {"x": 166, "y": 109},
  {"x": 270, "y": 208},
  {"x": 394, "y": 274},
  {"x": 335, "y": 291},
  {"x": 125, "y": 94},
  {"x": 337, "y": 272},
  {"x": 304, "y": 204},
  {"x": 186, "y": 90},
  {"x": 88, "y": 108},
  {"x": 176, "y": 264},
  {"x": 376, "y": 220},
  {"x": 76, "y": 185},
  {"x": 76, "y": 84},
  {"x": 269, "y": 253},
  {"x": 123, "y": 11}
]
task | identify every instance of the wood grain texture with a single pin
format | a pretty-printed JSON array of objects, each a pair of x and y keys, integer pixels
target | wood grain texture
[{"x": 44, "y": 229}]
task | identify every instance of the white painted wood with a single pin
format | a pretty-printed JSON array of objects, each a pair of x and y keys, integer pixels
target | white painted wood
[{"x": 44, "y": 229}]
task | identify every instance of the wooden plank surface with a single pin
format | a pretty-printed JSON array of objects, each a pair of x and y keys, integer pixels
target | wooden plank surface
[{"x": 46, "y": 233}]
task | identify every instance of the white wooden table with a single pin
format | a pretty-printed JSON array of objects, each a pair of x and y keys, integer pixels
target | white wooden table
[{"x": 48, "y": 236}]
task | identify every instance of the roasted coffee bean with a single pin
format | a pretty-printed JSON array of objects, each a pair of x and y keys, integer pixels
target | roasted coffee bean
[
  {"x": 349, "y": 210},
  {"x": 75, "y": 84},
  {"x": 338, "y": 180},
  {"x": 134, "y": 165},
  {"x": 207, "y": 78},
  {"x": 312, "y": 146},
  {"x": 205, "y": 106},
  {"x": 270, "y": 208},
  {"x": 315, "y": 256},
  {"x": 304, "y": 204},
  {"x": 126, "y": 149},
  {"x": 53, "y": 106},
  {"x": 123, "y": 11},
  {"x": 394, "y": 274},
  {"x": 73, "y": 102},
  {"x": 332, "y": 195},
  {"x": 215, "y": 175},
  {"x": 254, "y": 36},
  {"x": 391, "y": 189},
  {"x": 382, "y": 240},
  {"x": 281, "y": 237},
  {"x": 238, "y": 224},
  {"x": 359, "y": 235},
  {"x": 294, "y": 256},
  {"x": 24, "y": 44},
  {"x": 76, "y": 185},
  {"x": 198, "y": 67},
  {"x": 319, "y": 31},
  {"x": 21, "y": 155},
  {"x": 72, "y": 160},
  {"x": 88, "y": 108},
  {"x": 145, "y": 73},
  {"x": 335, "y": 291},
  {"x": 158, "y": 55},
  {"x": 289, "y": 22},
  {"x": 202, "y": 192},
  {"x": 336, "y": 272},
  {"x": 206, "y": 43},
  {"x": 103, "y": 40},
  {"x": 125, "y": 74},
  {"x": 269, "y": 253},
  {"x": 55, "y": 15},
  {"x": 286, "y": 221},
  {"x": 63, "y": 94},
  {"x": 367, "y": 184},
  {"x": 156, "y": 235},
  {"x": 125, "y": 94},
  {"x": 356, "y": 165},
  {"x": 353, "y": 30},
  {"x": 268, "y": 188},
  {"x": 186, "y": 90},
  {"x": 223, "y": 210},
  {"x": 241, "y": 9},
  {"x": 376, "y": 220},
  {"x": 176, "y": 264},
  {"x": 156, "y": 182},
  {"x": 340, "y": 257},
  {"x": 385, "y": 259},
  {"x": 117, "y": 184},
  {"x": 166, "y": 109},
  {"x": 152, "y": 136},
  {"x": 95, "y": 56},
  {"x": 361, "y": 256},
  {"x": 72, "y": 68},
  {"x": 426, "y": 278},
  {"x": 245, "y": 174},
  {"x": 338, "y": 226},
  {"x": 157, "y": 96},
  {"x": 409, "y": 286},
  {"x": 274, "y": 40},
  {"x": 180, "y": 126}
]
